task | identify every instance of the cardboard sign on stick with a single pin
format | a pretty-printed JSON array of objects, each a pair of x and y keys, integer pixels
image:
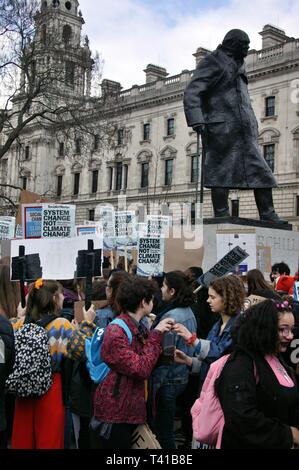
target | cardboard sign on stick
[{"x": 224, "y": 266}]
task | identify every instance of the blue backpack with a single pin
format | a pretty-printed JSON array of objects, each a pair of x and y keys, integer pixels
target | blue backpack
[{"x": 97, "y": 368}]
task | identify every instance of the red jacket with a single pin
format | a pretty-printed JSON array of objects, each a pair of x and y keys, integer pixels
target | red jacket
[{"x": 131, "y": 365}]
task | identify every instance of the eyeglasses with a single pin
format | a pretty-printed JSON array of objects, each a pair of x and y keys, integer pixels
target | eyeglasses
[{"x": 284, "y": 330}]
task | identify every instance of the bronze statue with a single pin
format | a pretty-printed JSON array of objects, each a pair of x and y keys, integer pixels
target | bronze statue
[{"x": 217, "y": 105}]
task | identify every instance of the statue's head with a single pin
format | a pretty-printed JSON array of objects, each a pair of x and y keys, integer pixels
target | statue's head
[{"x": 237, "y": 42}]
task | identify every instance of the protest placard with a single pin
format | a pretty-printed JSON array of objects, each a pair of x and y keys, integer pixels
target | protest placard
[
  {"x": 58, "y": 221},
  {"x": 224, "y": 266},
  {"x": 150, "y": 257},
  {"x": 157, "y": 226},
  {"x": 19, "y": 231},
  {"x": 125, "y": 228},
  {"x": 89, "y": 229},
  {"x": 57, "y": 255},
  {"x": 32, "y": 220},
  {"x": 7, "y": 227},
  {"x": 107, "y": 217}
]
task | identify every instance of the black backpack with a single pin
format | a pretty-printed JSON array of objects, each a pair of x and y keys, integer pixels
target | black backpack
[{"x": 32, "y": 372}]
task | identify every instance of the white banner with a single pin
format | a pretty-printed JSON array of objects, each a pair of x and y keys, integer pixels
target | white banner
[{"x": 58, "y": 257}]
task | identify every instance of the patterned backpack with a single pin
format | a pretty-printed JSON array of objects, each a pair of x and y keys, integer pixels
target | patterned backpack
[{"x": 32, "y": 372}]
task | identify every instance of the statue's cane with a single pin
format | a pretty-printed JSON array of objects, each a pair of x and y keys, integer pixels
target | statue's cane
[
  {"x": 201, "y": 187},
  {"x": 201, "y": 176}
]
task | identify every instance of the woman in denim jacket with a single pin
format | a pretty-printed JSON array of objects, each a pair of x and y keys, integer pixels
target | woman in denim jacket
[
  {"x": 226, "y": 297},
  {"x": 169, "y": 379}
]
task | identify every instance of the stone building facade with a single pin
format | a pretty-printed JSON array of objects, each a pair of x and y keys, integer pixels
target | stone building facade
[{"x": 153, "y": 156}]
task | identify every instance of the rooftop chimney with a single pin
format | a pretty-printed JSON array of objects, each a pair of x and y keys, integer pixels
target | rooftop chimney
[
  {"x": 272, "y": 36},
  {"x": 154, "y": 73},
  {"x": 109, "y": 87}
]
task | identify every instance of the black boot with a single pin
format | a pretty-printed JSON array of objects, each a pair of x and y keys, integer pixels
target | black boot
[
  {"x": 220, "y": 202},
  {"x": 264, "y": 202}
]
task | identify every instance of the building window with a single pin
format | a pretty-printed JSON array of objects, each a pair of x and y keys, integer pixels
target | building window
[
  {"x": 78, "y": 146},
  {"x": 194, "y": 169},
  {"x": 146, "y": 131},
  {"x": 70, "y": 73},
  {"x": 270, "y": 106},
  {"x": 95, "y": 177},
  {"x": 59, "y": 185},
  {"x": 170, "y": 126},
  {"x": 96, "y": 142},
  {"x": 144, "y": 175},
  {"x": 119, "y": 172},
  {"x": 91, "y": 215},
  {"x": 67, "y": 34},
  {"x": 168, "y": 172},
  {"x": 235, "y": 207},
  {"x": 27, "y": 152},
  {"x": 120, "y": 137},
  {"x": 44, "y": 34},
  {"x": 269, "y": 155},
  {"x": 126, "y": 169},
  {"x": 61, "y": 149},
  {"x": 24, "y": 183},
  {"x": 110, "y": 178},
  {"x": 76, "y": 183}
]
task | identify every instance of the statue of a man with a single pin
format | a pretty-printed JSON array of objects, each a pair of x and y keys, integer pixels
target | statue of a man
[{"x": 217, "y": 105}]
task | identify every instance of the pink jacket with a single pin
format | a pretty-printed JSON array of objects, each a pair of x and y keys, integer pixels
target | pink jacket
[{"x": 207, "y": 414}]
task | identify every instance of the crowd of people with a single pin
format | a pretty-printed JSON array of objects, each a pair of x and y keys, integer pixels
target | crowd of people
[{"x": 157, "y": 371}]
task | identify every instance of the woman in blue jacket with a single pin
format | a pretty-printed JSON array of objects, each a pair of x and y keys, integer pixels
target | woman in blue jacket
[{"x": 226, "y": 297}]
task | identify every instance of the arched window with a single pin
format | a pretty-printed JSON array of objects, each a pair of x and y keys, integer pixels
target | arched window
[{"x": 67, "y": 34}]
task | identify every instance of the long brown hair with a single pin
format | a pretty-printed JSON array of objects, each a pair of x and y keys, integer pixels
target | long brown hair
[
  {"x": 256, "y": 281},
  {"x": 41, "y": 301},
  {"x": 9, "y": 292}
]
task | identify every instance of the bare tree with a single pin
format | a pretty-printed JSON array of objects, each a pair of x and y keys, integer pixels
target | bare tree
[{"x": 35, "y": 88}]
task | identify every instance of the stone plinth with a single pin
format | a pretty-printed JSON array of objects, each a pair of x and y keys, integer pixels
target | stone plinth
[{"x": 266, "y": 243}]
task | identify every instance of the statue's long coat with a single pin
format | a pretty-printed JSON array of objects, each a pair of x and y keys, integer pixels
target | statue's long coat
[{"x": 217, "y": 96}]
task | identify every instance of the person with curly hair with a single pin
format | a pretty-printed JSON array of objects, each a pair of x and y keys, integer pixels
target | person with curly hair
[
  {"x": 256, "y": 389},
  {"x": 226, "y": 297}
]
